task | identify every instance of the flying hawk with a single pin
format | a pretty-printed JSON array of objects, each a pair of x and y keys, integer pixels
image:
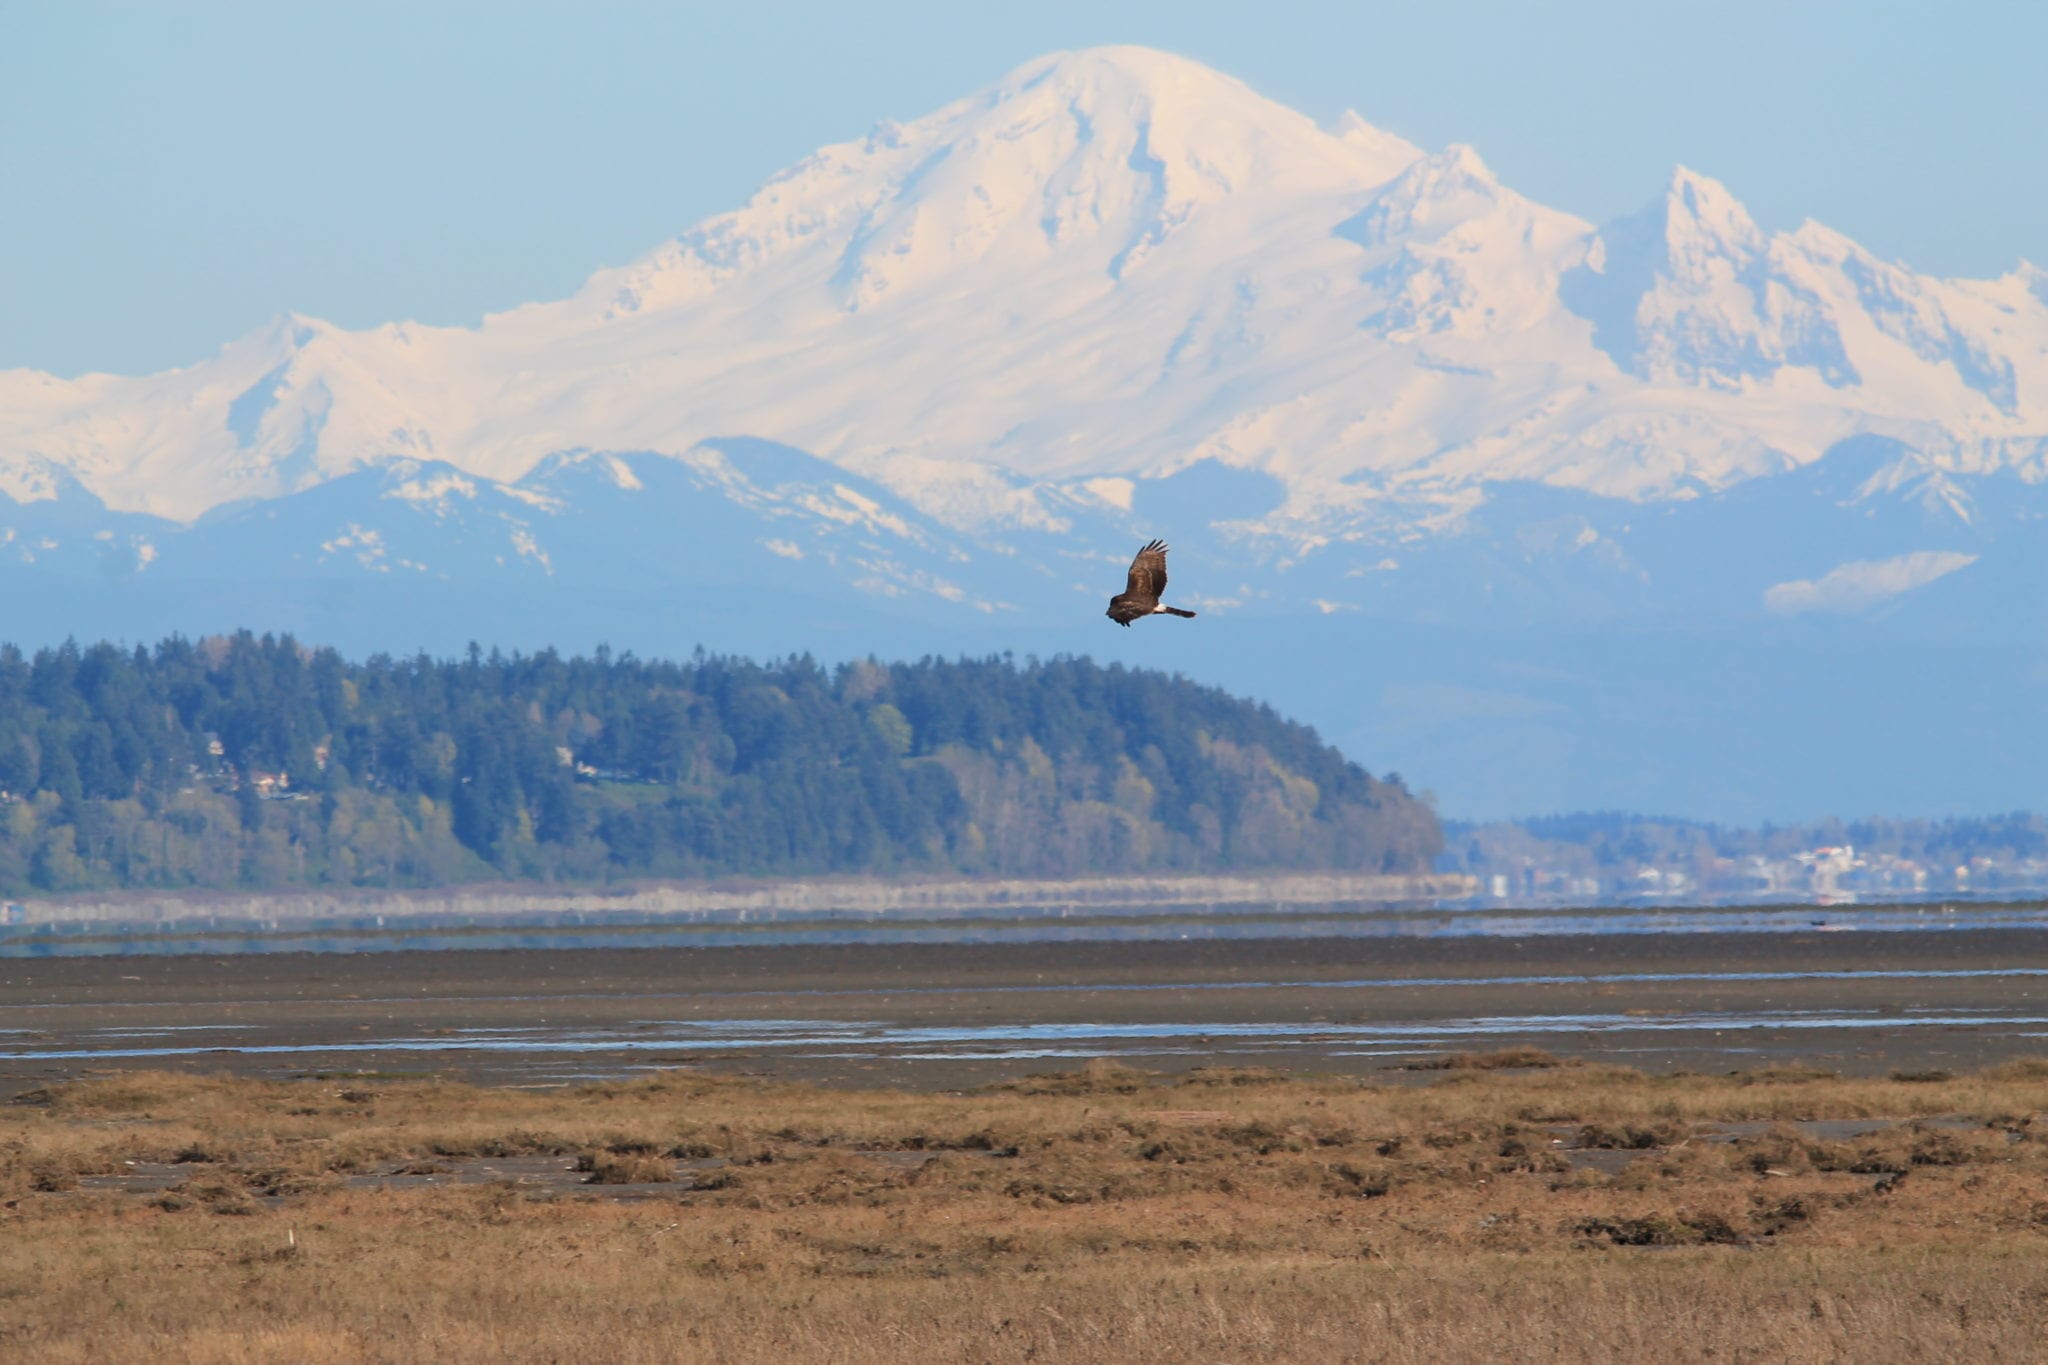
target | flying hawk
[{"x": 1141, "y": 596}]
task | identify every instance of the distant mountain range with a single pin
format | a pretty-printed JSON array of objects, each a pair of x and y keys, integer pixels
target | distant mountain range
[{"x": 1672, "y": 513}]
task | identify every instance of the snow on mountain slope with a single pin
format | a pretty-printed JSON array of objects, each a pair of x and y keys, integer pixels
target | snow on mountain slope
[
  {"x": 1111, "y": 266},
  {"x": 1689, "y": 292}
]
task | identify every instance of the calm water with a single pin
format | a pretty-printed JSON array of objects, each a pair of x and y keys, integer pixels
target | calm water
[{"x": 825, "y": 1039}]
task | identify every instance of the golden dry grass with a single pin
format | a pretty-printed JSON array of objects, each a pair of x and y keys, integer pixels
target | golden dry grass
[{"x": 1101, "y": 1215}]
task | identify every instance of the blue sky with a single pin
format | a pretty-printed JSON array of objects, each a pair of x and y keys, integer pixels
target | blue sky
[{"x": 172, "y": 176}]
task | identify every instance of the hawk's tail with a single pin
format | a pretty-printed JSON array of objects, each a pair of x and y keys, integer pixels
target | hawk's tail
[{"x": 1175, "y": 611}]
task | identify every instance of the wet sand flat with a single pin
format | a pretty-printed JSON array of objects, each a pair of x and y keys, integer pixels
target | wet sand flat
[{"x": 944, "y": 1016}]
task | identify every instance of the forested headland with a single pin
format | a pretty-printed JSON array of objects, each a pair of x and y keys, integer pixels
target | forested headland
[{"x": 255, "y": 762}]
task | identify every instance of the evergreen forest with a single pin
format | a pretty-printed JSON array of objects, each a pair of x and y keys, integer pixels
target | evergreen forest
[{"x": 251, "y": 761}]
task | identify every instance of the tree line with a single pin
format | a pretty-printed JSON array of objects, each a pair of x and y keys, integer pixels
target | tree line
[{"x": 252, "y": 761}]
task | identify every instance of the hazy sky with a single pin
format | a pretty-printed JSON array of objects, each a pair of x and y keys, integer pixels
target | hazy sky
[{"x": 173, "y": 175}]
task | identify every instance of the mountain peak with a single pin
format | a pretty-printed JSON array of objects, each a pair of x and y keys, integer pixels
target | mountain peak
[
  {"x": 1175, "y": 110},
  {"x": 1087, "y": 161},
  {"x": 1389, "y": 148},
  {"x": 1463, "y": 159},
  {"x": 1098, "y": 82},
  {"x": 1691, "y": 231},
  {"x": 1430, "y": 196},
  {"x": 1690, "y": 290},
  {"x": 2031, "y": 278},
  {"x": 1685, "y": 181},
  {"x": 1126, "y": 61},
  {"x": 1699, "y": 209}
]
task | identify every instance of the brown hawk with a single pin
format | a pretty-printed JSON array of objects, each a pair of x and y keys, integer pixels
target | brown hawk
[{"x": 1141, "y": 596}]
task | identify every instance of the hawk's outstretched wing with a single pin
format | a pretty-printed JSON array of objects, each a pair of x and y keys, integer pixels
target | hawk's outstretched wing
[{"x": 1148, "y": 572}]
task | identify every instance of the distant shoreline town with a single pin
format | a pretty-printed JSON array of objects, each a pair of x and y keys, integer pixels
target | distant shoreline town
[{"x": 1615, "y": 858}]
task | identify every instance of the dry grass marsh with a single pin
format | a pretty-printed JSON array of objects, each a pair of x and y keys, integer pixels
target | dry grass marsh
[{"x": 1483, "y": 1211}]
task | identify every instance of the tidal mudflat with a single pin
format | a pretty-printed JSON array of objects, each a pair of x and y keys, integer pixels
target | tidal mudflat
[{"x": 935, "y": 1016}]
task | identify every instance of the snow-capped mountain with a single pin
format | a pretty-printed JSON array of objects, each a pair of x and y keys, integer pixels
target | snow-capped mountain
[{"x": 945, "y": 373}]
